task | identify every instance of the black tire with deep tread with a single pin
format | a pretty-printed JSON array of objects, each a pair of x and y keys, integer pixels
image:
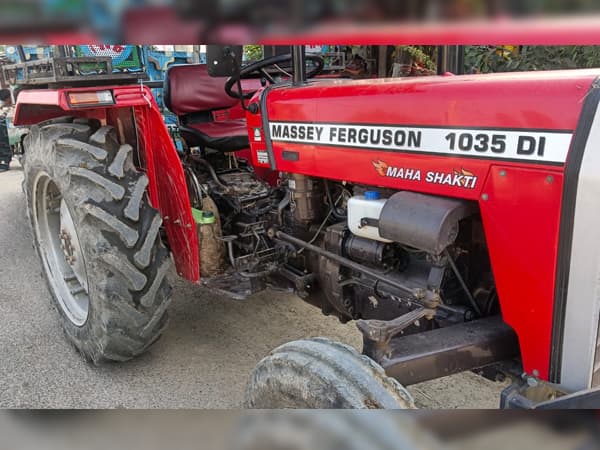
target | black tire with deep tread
[
  {"x": 320, "y": 373},
  {"x": 125, "y": 260},
  {"x": 348, "y": 430}
]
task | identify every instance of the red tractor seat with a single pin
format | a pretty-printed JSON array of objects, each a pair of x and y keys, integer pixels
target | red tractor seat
[{"x": 193, "y": 95}]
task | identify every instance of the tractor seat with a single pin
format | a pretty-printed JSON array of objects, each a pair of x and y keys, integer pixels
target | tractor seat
[
  {"x": 194, "y": 96},
  {"x": 226, "y": 136}
]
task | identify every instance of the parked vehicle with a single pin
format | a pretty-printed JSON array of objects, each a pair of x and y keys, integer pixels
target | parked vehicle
[{"x": 448, "y": 216}]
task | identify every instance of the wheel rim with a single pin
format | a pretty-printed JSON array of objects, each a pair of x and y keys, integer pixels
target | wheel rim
[{"x": 60, "y": 250}]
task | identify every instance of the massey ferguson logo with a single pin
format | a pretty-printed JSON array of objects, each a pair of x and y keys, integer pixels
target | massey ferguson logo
[{"x": 457, "y": 178}]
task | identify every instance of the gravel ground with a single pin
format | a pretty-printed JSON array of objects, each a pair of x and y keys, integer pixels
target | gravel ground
[{"x": 202, "y": 361}]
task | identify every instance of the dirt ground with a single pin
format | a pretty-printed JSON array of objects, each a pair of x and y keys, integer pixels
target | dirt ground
[{"x": 202, "y": 361}]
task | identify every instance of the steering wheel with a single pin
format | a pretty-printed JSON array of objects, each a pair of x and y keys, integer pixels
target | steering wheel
[{"x": 259, "y": 67}]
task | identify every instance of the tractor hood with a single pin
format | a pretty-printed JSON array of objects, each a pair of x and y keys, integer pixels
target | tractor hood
[
  {"x": 513, "y": 144},
  {"x": 378, "y": 123}
]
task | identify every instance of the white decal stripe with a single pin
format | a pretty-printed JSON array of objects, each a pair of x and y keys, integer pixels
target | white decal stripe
[{"x": 535, "y": 146}]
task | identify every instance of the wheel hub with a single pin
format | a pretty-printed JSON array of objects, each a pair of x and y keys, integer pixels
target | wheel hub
[
  {"x": 70, "y": 244},
  {"x": 67, "y": 246}
]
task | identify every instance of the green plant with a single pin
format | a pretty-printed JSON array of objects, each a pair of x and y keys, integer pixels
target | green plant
[
  {"x": 417, "y": 54},
  {"x": 487, "y": 59},
  {"x": 253, "y": 52}
]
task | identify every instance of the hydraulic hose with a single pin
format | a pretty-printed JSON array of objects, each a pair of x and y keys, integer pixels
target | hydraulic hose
[
  {"x": 334, "y": 211},
  {"x": 213, "y": 174}
]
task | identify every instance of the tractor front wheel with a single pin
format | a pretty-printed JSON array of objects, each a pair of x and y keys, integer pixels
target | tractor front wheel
[
  {"x": 323, "y": 374},
  {"x": 348, "y": 430},
  {"x": 97, "y": 237}
]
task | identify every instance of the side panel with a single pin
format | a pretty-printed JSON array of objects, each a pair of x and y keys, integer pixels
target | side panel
[
  {"x": 167, "y": 186},
  {"x": 580, "y": 359},
  {"x": 520, "y": 209}
]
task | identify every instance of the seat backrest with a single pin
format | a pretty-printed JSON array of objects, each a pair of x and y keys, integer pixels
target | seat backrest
[{"x": 189, "y": 89}]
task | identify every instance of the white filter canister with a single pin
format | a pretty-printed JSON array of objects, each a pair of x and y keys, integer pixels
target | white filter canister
[{"x": 366, "y": 206}]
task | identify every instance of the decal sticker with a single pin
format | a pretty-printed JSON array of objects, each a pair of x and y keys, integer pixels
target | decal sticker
[
  {"x": 257, "y": 135},
  {"x": 404, "y": 173},
  {"x": 457, "y": 178},
  {"x": 540, "y": 146},
  {"x": 262, "y": 156},
  {"x": 118, "y": 53}
]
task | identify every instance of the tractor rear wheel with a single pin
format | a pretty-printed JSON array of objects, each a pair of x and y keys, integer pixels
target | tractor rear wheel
[
  {"x": 320, "y": 373},
  {"x": 97, "y": 237}
]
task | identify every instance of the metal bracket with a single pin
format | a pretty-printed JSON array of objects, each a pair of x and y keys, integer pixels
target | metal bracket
[
  {"x": 377, "y": 334},
  {"x": 413, "y": 358},
  {"x": 541, "y": 395}
]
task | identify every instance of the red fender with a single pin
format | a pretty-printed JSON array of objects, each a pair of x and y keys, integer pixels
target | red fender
[{"x": 167, "y": 186}]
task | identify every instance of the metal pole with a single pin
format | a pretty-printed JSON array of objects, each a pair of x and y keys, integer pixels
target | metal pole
[
  {"x": 299, "y": 64},
  {"x": 196, "y": 54},
  {"x": 451, "y": 59},
  {"x": 442, "y": 51},
  {"x": 382, "y": 69},
  {"x": 460, "y": 59},
  {"x": 21, "y": 53}
]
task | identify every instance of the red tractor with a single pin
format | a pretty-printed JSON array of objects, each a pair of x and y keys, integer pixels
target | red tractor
[{"x": 451, "y": 217}]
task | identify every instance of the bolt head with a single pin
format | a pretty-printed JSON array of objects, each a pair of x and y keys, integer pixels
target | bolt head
[
  {"x": 485, "y": 197},
  {"x": 503, "y": 173},
  {"x": 549, "y": 179}
]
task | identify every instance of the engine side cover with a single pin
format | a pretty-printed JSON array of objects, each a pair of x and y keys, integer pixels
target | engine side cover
[{"x": 425, "y": 222}]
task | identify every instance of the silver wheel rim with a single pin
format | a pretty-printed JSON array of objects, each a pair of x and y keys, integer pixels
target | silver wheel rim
[{"x": 60, "y": 249}]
